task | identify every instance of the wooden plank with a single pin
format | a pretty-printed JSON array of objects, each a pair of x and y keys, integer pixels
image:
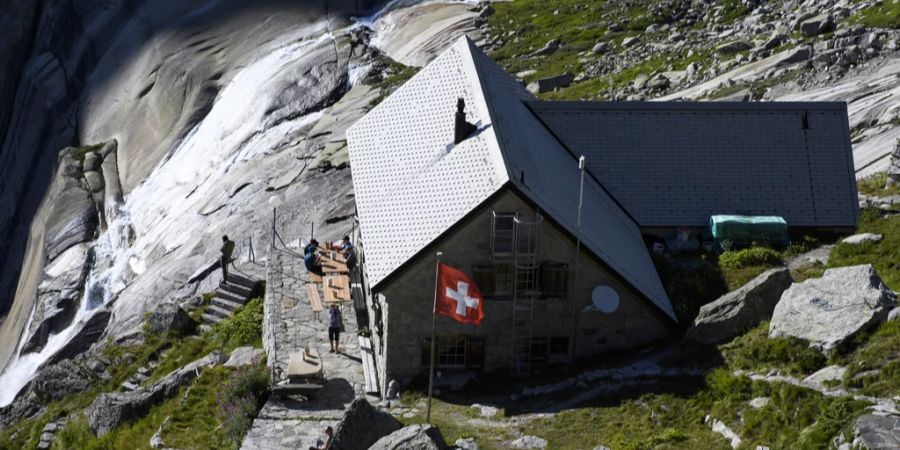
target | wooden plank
[
  {"x": 368, "y": 363},
  {"x": 314, "y": 299},
  {"x": 315, "y": 278}
]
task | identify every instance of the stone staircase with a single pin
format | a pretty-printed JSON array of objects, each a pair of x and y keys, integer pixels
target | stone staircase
[{"x": 230, "y": 297}]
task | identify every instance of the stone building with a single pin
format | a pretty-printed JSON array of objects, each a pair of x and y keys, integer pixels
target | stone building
[{"x": 496, "y": 189}]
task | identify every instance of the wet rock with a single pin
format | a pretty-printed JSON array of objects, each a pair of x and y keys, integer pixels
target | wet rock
[
  {"x": 169, "y": 317},
  {"x": 551, "y": 83},
  {"x": 736, "y": 312},
  {"x": 877, "y": 432},
  {"x": 58, "y": 380},
  {"x": 94, "y": 181},
  {"x": 93, "y": 327},
  {"x": 413, "y": 437},
  {"x": 861, "y": 238},
  {"x": 110, "y": 410},
  {"x": 363, "y": 425},
  {"x": 73, "y": 219},
  {"x": 244, "y": 356},
  {"x": 829, "y": 311}
]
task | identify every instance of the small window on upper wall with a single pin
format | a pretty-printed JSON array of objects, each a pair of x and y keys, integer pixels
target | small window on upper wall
[{"x": 502, "y": 234}]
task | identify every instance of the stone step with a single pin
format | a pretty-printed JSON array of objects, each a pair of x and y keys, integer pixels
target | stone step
[
  {"x": 211, "y": 319},
  {"x": 227, "y": 304},
  {"x": 230, "y": 296},
  {"x": 241, "y": 281},
  {"x": 235, "y": 289},
  {"x": 218, "y": 311}
]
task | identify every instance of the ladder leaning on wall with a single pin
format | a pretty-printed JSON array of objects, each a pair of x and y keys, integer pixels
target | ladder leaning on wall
[{"x": 526, "y": 237}]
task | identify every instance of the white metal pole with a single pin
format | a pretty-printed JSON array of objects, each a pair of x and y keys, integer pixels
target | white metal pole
[
  {"x": 437, "y": 271},
  {"x": 581, "y": 164}
]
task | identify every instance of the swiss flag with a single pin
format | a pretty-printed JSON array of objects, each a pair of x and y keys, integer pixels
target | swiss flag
[{"x": 457, "y": 296}]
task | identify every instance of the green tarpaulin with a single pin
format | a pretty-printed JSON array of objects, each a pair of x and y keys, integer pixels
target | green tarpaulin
[{"x": 744, "y": 231}]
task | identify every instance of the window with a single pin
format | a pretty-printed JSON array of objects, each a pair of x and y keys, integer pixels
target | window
[
  {"x": 495, "y": 281},
  {"x": 538, "y": 350},
  {"x": 554, "y": 279},
  {"x": 454, "y": 352},
  {"x": 502, "y": 233},
  {"x": 559, "y": 346}
]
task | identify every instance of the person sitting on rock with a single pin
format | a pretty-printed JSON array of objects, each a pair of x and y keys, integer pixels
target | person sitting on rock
[
  {"x": 311, "y": 258},
  {"x": 227, "y": 250}
]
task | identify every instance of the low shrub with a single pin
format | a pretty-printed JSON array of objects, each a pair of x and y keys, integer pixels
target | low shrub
[
  {"x": 244, "y": 328},
  {"x": 241, "y": 398},
  {"x": 753, "y": 256}
]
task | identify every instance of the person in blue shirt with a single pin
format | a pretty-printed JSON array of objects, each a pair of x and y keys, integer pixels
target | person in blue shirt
[{"x": 311, "y": 258}]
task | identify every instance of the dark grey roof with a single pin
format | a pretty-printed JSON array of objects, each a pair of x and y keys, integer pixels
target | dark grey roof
[{"x": 678, "y": 163}]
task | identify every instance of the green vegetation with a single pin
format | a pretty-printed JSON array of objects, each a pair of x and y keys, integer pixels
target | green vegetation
[
  {"x": 755, "y": 351},
  {"x": 195, "y": 413},
  {"x": 875, "y": 366},
  {"x": 882, "y": 255},
  {"x": 753, "y": 256},
  {"x": 884, "y": 14},
  {"x": 876, "y": 185},
  {"x": 690, "y": 283}
]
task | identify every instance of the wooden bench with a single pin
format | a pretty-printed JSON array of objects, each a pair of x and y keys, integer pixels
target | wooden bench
[
  {"x": 368, "y": 363},
  {"x": 305, "y": 365},
  {"x": 314, "y": 299}
]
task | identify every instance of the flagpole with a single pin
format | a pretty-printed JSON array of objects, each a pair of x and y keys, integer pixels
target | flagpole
[{"x": 437, "y": 270}]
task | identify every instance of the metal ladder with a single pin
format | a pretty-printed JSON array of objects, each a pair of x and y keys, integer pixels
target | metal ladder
[{"x": 525, "y": 290}]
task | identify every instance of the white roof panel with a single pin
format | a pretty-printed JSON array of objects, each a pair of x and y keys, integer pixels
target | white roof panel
[{"x": 410, "y": 188}]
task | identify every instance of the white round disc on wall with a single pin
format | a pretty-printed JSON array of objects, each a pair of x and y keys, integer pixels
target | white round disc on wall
[{"x": 605, "y": 299}]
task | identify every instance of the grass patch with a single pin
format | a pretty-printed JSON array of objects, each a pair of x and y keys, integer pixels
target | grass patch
[
  {"x": 80, "y": 152},
  {"x": 397, "y": 74},
  {"x": 755, "y": 351},
  {"x": 753, "y": 256},
  {"x": 875, "y": 185},
  {"x": 875, "y": 367},
  {"x": 882, "y": 255},
  {"x": 451, "y": 420},
  {"x": 885, "y": 14}
]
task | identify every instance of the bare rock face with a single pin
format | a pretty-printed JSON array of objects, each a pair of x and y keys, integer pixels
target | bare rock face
[
  {"x": 113, "y": 409},
  {"x": 876, "y": 432},
  {"x": 736, "y": 312},
  {"x": 413, "y": 437},
  {"x": 830, "y": 310},
  {"x": 94, "y": 326},
  {"x": 894, "y": 169},
  {"x": 362, "y": 426}
]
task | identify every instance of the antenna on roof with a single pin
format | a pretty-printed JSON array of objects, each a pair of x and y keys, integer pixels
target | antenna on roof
[{"x": 463, "y": 129}]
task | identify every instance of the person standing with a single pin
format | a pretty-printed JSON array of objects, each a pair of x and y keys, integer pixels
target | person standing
[
  {"x": 227, "y": 251},
  {"x": 335, "y": 326}
]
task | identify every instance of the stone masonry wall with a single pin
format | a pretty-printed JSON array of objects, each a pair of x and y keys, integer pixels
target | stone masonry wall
[{"x": 410, "y": 298}]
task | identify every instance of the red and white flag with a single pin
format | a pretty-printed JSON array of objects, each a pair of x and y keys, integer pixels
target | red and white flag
[{"x": 457, "y": 296}]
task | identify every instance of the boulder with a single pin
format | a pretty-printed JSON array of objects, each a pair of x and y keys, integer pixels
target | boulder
[
  {"x": 894, "y": 168},
  {"x": 529, "y": 442},
  {"x": 549, "y": 48},
  {"x": 600, "y": 47},
  {"x": 363, "y": 425},
  {"x": 823, "y": 377},
  {"x": 732, "y": 47},
  {"x": 894, "y": 314},
  {"x": 58, "y": 380},
  {"x": 631, "y": 41},
  {"x": 110, "y": 410},
  {"x": 244, "y": 356},
  {"x": 795, "y": 55},
  {"x": 862, "y": 237},
  {"x": 466, "y": 444},
  {"x": 876, "y": 432},
  {"x": 830, "y": 310},
  {"x": 738, "y": 311},
  {"x": 413, "y": 437},
  {"x": 550, "y": 83},
  {"x": 169, "y": 317},
  {"x": 817, "y": 25}
]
